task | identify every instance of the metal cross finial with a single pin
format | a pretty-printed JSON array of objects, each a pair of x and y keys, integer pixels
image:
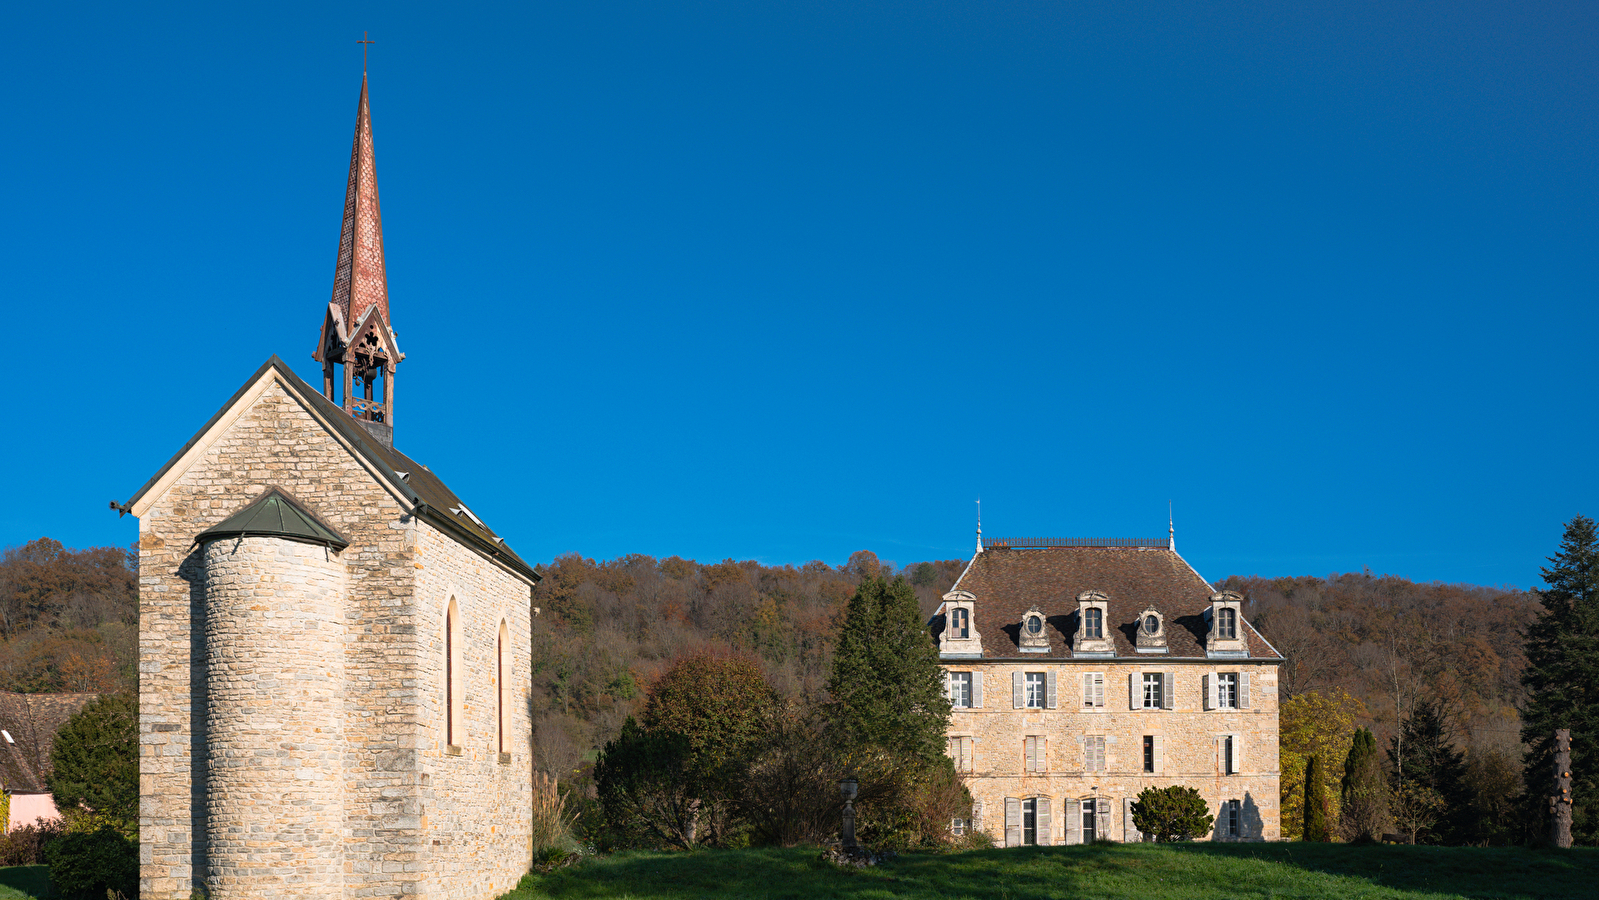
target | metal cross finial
[{"x": 363, "y": 51}]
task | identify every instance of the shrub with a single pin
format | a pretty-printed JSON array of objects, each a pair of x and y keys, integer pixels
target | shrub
[
  {"x": 1173, "y": 813},
  {"x": 1316, "y": 828},
  {"x": 95, "y": 759},
  {"x": 24, "y": 845},
  {"x": 552, "y": 824},
  {"x": 90, "y": 864}
]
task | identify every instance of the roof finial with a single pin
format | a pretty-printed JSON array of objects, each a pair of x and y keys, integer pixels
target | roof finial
[
  {"x": 363, "y": 52},
  {"x": 979, "y": 525},
  {"x": 1171, "y": 529}
]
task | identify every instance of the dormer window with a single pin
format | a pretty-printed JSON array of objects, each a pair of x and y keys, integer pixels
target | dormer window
[
  {"x": 1151, "y": 636},
  {"x": 1227, "y": 624},
  {"x": 1033, "y": 637},
  {"x": 1093, "y": 614},
  {"x": 1225, "y": 638},
  {"x": 960, "y": 624},
  {"x": 1151, "y": 625}
]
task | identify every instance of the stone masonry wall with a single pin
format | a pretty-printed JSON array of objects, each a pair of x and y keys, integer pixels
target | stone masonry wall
[
  {"x": 1190, "y": 743},
  {"x": 276, "y": 442},
  {"x": 274, "y": 639},
  {"x": 477, "y": 809}
]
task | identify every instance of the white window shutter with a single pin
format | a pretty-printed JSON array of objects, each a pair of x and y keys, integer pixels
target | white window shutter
[
  {"x": 1049, "y": 690},
  {"x": 1013, "y": 822},
  {"x": 1074, "y": 822},
  {"x": 1243, "y": 690},
  {"x": 1135, "y": 683},
  {"x": 1160, "y": 753},
  {"x": 947, "y": 695},
  {"x": 1102, "y": 818},
  {"x": 1238, "y": 753},
  {"x": 1018, "y": 691},
  {"x": 966, "y": 754},
  {"x": 1027, "y": 754},
  {"x": 977, "y": 690},
  {"x": 1211, "y": 685},
  {"x": 1088, "y": 689},
  {"x": 1046, "y": 836},
  {"x": 1130, "y": 832},
  {"x": 1168, "y": 690},
  {"x": 1040, "y": 754},
  {"x": 1099, "y": 689}
]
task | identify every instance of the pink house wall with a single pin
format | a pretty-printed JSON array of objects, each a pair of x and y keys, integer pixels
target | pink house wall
[{"x": 25, "y": 808}]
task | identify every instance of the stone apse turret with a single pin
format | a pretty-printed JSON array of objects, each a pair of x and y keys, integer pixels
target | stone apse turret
[{"x": 334, "y": 651}]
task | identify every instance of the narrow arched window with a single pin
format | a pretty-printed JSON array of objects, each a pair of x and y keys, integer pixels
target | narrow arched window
[
  {"x": 960, "y": 624},
  {"x": 502, "y": 671},
  {"x": 454, "y": 726},
  {"x": 1227, "y": 624},
  {"x": 1093, "y": 622}
]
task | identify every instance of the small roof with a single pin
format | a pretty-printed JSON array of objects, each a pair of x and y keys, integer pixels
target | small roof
[
  {"x": 30, "y": 723},
  {"x": 275, "y": 514}
]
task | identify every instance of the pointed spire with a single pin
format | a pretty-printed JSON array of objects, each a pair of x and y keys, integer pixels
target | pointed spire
[
  {"x": 979, "y": 525},
  {"x": 1171, "y": 529},
  {"x": 359, "y": 280}
]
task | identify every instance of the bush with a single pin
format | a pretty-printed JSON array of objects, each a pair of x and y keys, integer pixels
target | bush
[
  {"x": 95, "y": 759},
  {"x": 90, "y": 864},
  {"x": 1173, "y": 813},
  {"x": 24, "y": 846},
  {"x": 552, "y": 824}
]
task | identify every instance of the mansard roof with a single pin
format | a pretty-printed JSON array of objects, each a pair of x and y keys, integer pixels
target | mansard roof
[
  {"x": 1008, "y": 579},
  {"x": 413, "y": 484}
]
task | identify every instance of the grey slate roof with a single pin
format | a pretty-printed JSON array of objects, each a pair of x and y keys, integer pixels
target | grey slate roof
[
  {"x": 276, "y": 514},
  {"x": 432, "y": 499},
  {"x": 1008, "y": 582},
  {"x": 32, "y": 720}
]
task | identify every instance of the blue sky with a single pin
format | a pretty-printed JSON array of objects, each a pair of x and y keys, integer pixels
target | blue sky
[{"x": 786, "y": 281}]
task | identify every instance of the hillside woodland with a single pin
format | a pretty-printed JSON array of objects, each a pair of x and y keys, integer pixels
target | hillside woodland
[{"x": 1361, "y": 649}]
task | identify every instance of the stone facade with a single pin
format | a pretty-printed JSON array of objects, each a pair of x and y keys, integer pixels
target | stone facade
[
  {"x": 291, "y": 693},
  {"x": 1053, "y": 723}
]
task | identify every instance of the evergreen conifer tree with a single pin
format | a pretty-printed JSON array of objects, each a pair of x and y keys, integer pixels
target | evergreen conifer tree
[
  {"x": 1363, "y": 793},
  {"x": 1562, "y": 681},
  {"x": 1426, "y": 763},
  {"x": 887, "y": 687},
  {"x": 1315, "y": 804}
]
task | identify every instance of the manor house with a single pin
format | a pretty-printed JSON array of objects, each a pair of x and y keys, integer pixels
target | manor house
[
  {"x": 334, "y": 649},
  {"x": 1081, "y": 672}
]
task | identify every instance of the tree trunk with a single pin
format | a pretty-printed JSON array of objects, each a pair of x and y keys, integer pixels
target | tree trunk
[{"x": 1560, "y": 802}]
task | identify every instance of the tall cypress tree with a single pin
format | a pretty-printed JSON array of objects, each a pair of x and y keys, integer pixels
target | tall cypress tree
[
  {"x": 887, "y": 688},
  {"x": 1315, "y": 804},
  {"x": 1363, "y": 793},
  {"x": 1562, "y": 681}
]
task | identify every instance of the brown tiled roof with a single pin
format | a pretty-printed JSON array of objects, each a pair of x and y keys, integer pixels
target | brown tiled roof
[
  {"x": 359, "y": 281},
  {"x": 1009, "y": 582},
  {"x": 32, "y": 720}
]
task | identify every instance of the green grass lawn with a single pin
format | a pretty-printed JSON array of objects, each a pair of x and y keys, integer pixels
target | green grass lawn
[
  {"x": 25, "y": 883},
  {"x": 1100, "y": 872}
]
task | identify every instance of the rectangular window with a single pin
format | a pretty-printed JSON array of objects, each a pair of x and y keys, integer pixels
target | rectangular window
[
  {"x": 1227, "y": 690},
  {"x": 1149, "y": 754},
  {"x": 1090, "y": 822},
  {"x": 1228, "y": 766},
  {"x": 960, "y": 690},
  {"x": 1152, "y": 690},
  {"x": 1030, "y": 822},
  {"x": 1034, "y": 754},
  {"x": 1036, "y": 694},
  {"x": 1094, "y": 753},
  {"x": 1093, "y": 689},
  {"x": 1234, "y": 819},
  {"x": 959, "y": 827},
  {"x": 960, "y": 750}
]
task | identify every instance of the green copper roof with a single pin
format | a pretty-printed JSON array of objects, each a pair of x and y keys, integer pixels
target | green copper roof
[{"x": 275, "y": 514}]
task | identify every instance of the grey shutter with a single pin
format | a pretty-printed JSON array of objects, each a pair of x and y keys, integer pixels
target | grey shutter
[
  {"x": 1160, "y": 754},
  {"x": 1168, "y": 690},
  {"x": 977, "y": 690},
  {"x": 1211, "y": 684},
  {"x": 1099, "y": 690},
  {"x": 1049, "y": 689},
  {"x": 1013, "y": 822},
  {"x": 1243, "y": 690},
  {"x": 1045, "y": 834},
  {"x": 1134, "y": 682},
  {"x": 1088, "y": 689},
  {"x": 1027, "y": 754},
  {"x": 1018, "y": 691},
  {"x": 1074, "y": 822},
  {"x": 1130, "y": 833},
  {"x": 1102, "y": 819},
  {"x": 966, "y": 754},
  {"x": 947, "y": 679}
]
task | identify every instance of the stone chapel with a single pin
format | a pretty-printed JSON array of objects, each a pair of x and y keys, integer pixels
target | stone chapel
[{"x": 334, "y": 650}]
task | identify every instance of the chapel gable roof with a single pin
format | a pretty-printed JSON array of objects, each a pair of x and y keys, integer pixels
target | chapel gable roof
[
  {"x": 1007, "y": 581},
  {"x": 32, "y": 721},
  {"x": 421, "y": 491}
]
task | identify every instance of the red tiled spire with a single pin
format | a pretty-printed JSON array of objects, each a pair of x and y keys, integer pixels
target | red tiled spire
[{"x": 359, "y": 281}]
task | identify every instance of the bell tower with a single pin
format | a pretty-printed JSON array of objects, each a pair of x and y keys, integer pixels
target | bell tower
[{"x": 357, "y": 348}]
